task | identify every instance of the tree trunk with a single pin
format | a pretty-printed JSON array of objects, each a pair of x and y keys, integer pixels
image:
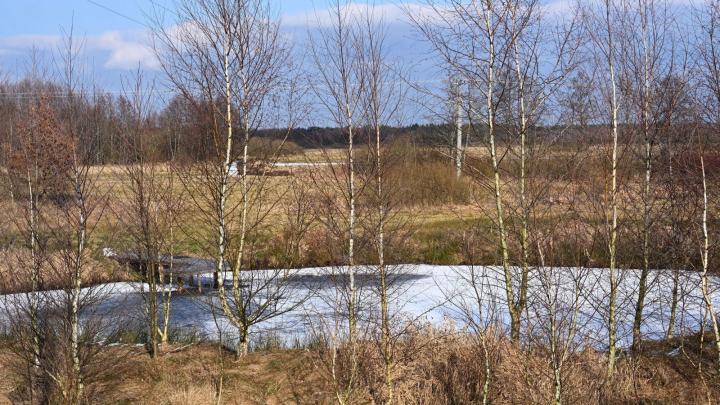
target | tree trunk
[
  {"x": 152, "y": 309},
  {"x": 642, "y": 287},
  {"x": 458, "y": 129},
  {"x": 227, "y": 164},
  {"x": 34, "y": 275},
  {"x": 384, "y": 310},
  {"x": 612, "y": 245},
  {"x": 705, "y": 283},
  {"x": 502, "y": 234},
  {"x": 524, "y": 208},
  {"x": 76, "y": 291},
  {"x": 673, "y": 304},
  {"x": 242, "y": 345}
]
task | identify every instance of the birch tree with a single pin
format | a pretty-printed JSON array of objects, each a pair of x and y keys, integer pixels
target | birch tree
[
  {"x": 80, "y": 206},
  {"x": 31, "y": 182},
  {"x": 612, "y": 245},
  {"x": 382, "y": 97},
  {"x": 499, "y": 52},
  {"x": 230, "y": 61},
  {"x": 470, "y": 37},
  {"x": 705, "y": 259},
  {"x": 148, "y": 209},
  {"x": 651, "y": 54},
  {"x": 601, "y": 26},
  {"x": 339, "y": 90},
  {"x": 51, "y": 169},
  {"x": 558, "y": 309},
  {"x": 708, "y": 50}
]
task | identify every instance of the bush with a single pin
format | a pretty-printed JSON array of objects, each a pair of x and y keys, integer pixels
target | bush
[
  {"x": 447, "y": 366},
  {"x": 426, "y": 176},
  {"x": 267, "y": 148}
]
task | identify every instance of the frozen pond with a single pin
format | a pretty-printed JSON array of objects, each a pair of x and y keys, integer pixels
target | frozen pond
[{"x": 463, "y": 296}]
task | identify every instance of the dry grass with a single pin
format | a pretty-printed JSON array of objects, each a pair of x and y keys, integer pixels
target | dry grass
[
  {"x": 441, "y": 368},
  {"x": 432, "y": 367},
  {"x": 189, "y": 376},
  {"x": 437, "y": 206}
]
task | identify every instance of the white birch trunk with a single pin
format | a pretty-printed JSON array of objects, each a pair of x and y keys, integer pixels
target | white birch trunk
[
  {"x": 459, "y": 151},
  {"x": 34, "y": 275},
  {"x": 647, "y": 191},
  {"x": 612, "y": 245},
  {"x": 704, "y": 279},
  {"x": 502, "y": 233},
  {"x": 75, "y": 291}
]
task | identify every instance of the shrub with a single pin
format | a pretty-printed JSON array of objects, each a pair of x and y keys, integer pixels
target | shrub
[
  {"x": 426, "y": 176},
  {"x": 267, "y": 148}
]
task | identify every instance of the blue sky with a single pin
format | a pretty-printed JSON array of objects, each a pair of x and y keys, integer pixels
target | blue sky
[
  {"x": 116, "y": 41},
  {"x": 45, "y": 17},
  {"x": 114, "y": 37}
]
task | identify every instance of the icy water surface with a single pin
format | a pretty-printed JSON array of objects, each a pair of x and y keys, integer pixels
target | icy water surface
[{"x": 461, "y": 296}]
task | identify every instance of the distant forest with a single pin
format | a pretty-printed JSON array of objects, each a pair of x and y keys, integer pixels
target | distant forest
[{"x": 178, "y": 129}]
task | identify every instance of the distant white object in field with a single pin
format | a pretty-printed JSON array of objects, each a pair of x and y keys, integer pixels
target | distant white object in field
[{"x": 233, "y": 169}]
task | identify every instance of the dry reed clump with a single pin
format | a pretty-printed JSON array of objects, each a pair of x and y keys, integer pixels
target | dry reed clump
[
  {"x": 191, "y": 375},
  {"x": 422, "y": 176},
  {"x": 438, "y": 185},
  {"x": 432, "y": 366},
  {"x": 191, "y": 394},
  {"x": 445, "y": 367}
]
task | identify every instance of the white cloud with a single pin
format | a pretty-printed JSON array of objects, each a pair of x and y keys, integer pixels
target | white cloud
[
  {"x": 391, "y": 13},
  {"x": 126, "y": 50},
  {"x": 124, "y": 53}
]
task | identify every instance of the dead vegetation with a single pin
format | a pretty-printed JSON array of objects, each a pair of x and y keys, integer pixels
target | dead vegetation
[{"x": 433, "y": 367}]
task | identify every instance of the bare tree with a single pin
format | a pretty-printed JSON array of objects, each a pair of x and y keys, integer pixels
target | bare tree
[
  {"x": 79, "y": 212},
  {"x": 496, "y": 48},
  {"x": 32, "y": 183},
  {"x": 470, "y": 37},
  {"x": 601, "y": 25},
  {"x": 382, "y": 97},
  {"x": 342, "y": 79},
  {"x": 560, "y": 303},
  {"x": 148, "y": 209},
  {"x": 612, "y": 246},
  {"x": 704, "y": 252},
  {"x": 229, "y": 60},
  {"x": 653, "y": 65},
  {"x": 51, "y": 169}
]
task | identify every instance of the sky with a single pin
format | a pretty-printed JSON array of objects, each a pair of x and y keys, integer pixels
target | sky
[
  {"x": 114, "y": 34},
  {"x": 115, "y": 40},
  {"x": 93, "y": 17}
]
